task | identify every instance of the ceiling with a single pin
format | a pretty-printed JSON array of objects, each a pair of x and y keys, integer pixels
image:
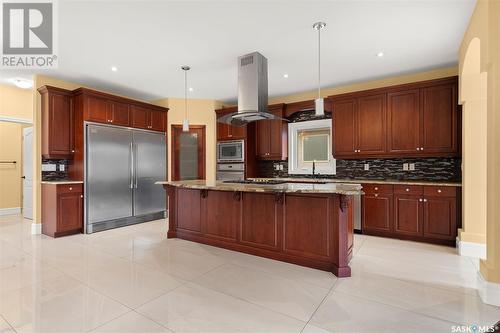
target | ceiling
[{"x": 149, "y": 41}]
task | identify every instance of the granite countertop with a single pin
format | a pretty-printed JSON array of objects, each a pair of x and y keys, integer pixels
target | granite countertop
[
  {"x": 371, "y": 181},
  {"x": 62, "y": 182},
  {"x": 336, "y": 188}
]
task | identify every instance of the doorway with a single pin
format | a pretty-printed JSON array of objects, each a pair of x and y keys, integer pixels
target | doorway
[{"x": 188, "y": 153}]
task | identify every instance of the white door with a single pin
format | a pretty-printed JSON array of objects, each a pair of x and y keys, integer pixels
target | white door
[{"x": 28, "y": 173}]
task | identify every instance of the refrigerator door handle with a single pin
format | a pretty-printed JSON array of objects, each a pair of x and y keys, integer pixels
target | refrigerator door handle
[
  {"x": 135, "y": 165},
  {"x": 132, "y": 165}
]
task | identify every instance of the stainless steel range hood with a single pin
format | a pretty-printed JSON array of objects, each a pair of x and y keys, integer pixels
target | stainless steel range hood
[{"x": 252, "y": 91}]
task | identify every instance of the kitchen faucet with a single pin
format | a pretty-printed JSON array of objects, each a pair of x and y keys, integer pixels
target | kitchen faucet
[{"x": 314, "y": 168}]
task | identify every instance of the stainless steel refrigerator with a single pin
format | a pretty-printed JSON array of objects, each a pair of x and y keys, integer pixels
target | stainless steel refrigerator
[{"x": 121, "y": 168}]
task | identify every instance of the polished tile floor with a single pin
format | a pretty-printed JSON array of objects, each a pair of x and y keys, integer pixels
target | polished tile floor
[{"x": 135, "y": 280}]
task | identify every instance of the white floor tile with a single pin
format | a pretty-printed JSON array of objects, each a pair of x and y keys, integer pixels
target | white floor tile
[{"x": 132, "y": 322}]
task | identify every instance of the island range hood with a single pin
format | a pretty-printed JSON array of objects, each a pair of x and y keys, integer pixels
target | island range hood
[{"x": 252, "y": 91}]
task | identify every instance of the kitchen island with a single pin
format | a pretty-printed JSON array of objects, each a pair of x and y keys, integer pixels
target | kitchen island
[{"x": 305, "y": 224}]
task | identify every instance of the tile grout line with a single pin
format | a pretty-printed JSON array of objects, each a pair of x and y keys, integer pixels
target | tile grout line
[{"x": 12, "y": 327}]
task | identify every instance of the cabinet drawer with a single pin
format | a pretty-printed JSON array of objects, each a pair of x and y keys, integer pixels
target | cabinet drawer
[
  {"x": 440, "y": 191},
  {"x": 408, "y": 189},
  {"x": 377, "y": 188},
  {"x": 69, "y": 188}
]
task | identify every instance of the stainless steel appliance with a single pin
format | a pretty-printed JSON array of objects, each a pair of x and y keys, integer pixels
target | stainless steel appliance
[
  {"x": 231, "y": 151},
  {"x": 231, "y": 171},
  {"x": 121, "y": 167}
]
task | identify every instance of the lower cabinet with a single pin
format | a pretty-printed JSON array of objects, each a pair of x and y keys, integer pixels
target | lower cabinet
[
  {"x": 420, "y": 213},
  {"x": 62, "y": 209}
]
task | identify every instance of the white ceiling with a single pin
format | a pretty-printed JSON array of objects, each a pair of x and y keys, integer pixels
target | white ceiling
[{"x": 149, "y": 41}]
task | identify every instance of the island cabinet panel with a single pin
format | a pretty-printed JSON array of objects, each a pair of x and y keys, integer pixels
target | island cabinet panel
[
  {"x": 57, "y": 123},
  {"x": 439, "y": 119},
  {"x": 307, "y": 226},
  {"x": 188, "y": 203},
  {"x": 221, "y": 211},
  {"x": 404, "y": 121},
  {"x": 261, "y": 227}
]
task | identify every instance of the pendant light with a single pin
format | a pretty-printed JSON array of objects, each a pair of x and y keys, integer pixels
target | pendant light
[
  {"x": 185, "y": 122},
  {"x": 319, "y": 105}
]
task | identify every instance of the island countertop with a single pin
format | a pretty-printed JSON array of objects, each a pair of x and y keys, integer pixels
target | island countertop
[
  {"x": 333, "y": 188},
  {"x": 368, "y": 181}
]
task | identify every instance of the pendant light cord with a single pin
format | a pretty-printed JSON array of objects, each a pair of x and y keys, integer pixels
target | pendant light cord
[
  {"x": 185, "y": 95},
  {"x": 319, "y": 63}
]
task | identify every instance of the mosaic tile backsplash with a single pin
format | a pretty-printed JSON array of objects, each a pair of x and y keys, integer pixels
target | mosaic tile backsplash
[
  {"x": 58, "y": 174},
  {"x": 446, "y": 169}
]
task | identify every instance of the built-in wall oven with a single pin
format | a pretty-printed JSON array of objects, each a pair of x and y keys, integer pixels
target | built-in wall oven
[
  {"x": 231, "y": 160},
  {"x": 231, "y": 151}
]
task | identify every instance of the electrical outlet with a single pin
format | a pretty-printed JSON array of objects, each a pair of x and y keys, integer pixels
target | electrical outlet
[
  {"x": 412, "y": 166},
  {"x": 281, "y": 167},
  {"x": 48, "y": 167},
  {"x": 366, "y": 166},
  {"x": 61, "y": 167},
  {"x": 276, "y": 166},
  {"x": 405, "y": 167}
]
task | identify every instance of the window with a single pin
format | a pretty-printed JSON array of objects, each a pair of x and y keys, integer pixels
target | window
[{"x": 310, "y": 141}]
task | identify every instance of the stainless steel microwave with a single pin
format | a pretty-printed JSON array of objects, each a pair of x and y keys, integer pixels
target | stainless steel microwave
[{"x": 231, "y": 151}]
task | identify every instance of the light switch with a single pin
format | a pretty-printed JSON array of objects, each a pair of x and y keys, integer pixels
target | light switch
[
  {"x": 405, "y": 166},
  {"x": 48, "y": 167},
  {"x": 412, "y": 166},
  {"x": 61, "y": 167},
  {"x": 276, "y": 166},
  {"x": 281, "y": 167},
  {"x": 367, "y": 166}
]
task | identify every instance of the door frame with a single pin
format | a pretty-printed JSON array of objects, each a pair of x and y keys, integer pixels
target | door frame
[
  {"x": 26, "y": 131},
  {"x": 201, "y": 151}
]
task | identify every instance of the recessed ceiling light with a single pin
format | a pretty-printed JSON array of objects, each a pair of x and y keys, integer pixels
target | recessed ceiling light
[
  {"x": 191, "y": 89},
  {"x": 21, "y": 83},
  {"x": 380, "y": 54},
  {"x": 285, "y": 76},
  {"x": 114, "y": 69}
]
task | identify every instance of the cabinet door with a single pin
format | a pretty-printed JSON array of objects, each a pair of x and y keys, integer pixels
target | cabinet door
[
  {"x": 61, "y": 125},
  {"x": 158, "y": 121},
  {"x": 70, "y": 211},
  {"x": 344, "y": 128},
  {"x": 221, "y": 212},
  {"x": 120, "y": 114},
  {"x": 261, "y": 227},
  {"x": 371, "y": 125},
  {"x": 188, "y": 209},
  {"x": 277, "y": 137},
  {"x": 439, "y": 113},
  {"x": 141, "y": 117},
  {"x": 222, "y": 132},
  {"x": 377, "y": 212},
  {"x": 263, "y": 131},
  {"x": 440, "y": 218},
  {"x": 404, "y": 121},
  {"x": 237, "y": 132},
  {"x": 97, "y": 109},
  {"x": 408, "y": 215}
]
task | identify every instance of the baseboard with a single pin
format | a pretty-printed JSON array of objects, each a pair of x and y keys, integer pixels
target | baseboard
[
  {"x": 469, "y": 249},
  {"x": 36, "y": 228},
  {"x": 10, "y": 211},
  {"x": 488, "y": 291}
]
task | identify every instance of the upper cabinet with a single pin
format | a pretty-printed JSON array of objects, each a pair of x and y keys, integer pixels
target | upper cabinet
[
  {"x": 413, "y": 120},
  {"x": 57, "y": 123},
  {"x": 148, "y": 118},
  {"x": 272, "y": 135},
  {"x": 229, "y": 132}
]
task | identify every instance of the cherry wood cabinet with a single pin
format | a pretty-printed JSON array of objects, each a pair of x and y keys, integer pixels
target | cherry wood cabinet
[
  {"x": 62, "y": 209},
  {"x": 147, "y": 118},
  {"x": 102, "y": 110},
  {"x": 272, "y": 136},
  {"x": 57, "y": 123},
  {"x": 313, "y": 230},
  {"x": 420, "y": 213},
  {"x": 411, "y": 120},
  {"x": 229, "y": 132}
]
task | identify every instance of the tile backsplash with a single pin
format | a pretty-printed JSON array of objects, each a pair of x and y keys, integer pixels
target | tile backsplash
[
  {"x": 60, "y": 172},
  {"x": 441, "y": 168}
]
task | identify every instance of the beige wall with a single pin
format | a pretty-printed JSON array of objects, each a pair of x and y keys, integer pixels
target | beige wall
[
  {"x": 484, "y": 94},
  {"x": 200, "y": 112},
  {"x": 389, "y": 81},
  {"x": 10, "y": 174},
  {"x": 14, "y": 103}
]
